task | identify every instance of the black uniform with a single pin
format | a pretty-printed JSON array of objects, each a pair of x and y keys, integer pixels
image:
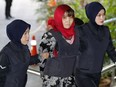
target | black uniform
[
  {"x": 15, "y": 56},
  {"x": 95, "y": 41},
  {"x": 93, "y": 46},
  {"x": 14, "y": 63}
]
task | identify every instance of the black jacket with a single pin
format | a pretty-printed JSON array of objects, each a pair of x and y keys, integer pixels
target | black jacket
[
  {"x": 14, "y": 62},
  {"x": 93, "y": 48}
]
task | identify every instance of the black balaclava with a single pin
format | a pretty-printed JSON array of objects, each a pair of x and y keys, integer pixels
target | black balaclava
[
  {"x": 92, "y": 9},
  {"x": 15, "y": 30}
]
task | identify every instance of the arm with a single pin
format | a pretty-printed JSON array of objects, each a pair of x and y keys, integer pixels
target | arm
[
  {"x": 46, "y": 48},
  {"x": 111, "y": 50},
  {"x": 4, "y": 63}
]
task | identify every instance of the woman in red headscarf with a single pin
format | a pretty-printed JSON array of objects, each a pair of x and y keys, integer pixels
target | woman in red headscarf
[{"x": 58, "y": 46}]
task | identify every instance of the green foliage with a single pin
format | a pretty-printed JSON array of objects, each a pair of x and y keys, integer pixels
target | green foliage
[
  {"x": 79, "y": 10},
  {"x": 110, "y": 6}
]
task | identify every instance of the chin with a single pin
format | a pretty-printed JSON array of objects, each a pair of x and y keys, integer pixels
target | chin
[
  {"x": 24, "y": 43},
  {"x": 67, "y": 27},
  {"x": 100, "y": 24}
]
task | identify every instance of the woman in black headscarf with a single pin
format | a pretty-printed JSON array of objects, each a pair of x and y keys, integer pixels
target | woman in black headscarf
[
  {"x": 15, "y": 56},
  {"x": 95, "y": 41}
]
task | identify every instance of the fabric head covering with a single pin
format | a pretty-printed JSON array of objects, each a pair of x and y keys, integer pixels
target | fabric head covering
[
  {"x": 92, "y": 9},
  {"x": 50, "y": 21},
  {"x": 16, "y": 29},
  {"x": 58, "y": 14}
]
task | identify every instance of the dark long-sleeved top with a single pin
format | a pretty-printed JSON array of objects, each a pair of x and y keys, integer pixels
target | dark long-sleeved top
[
  {"x": 14, "y": 62},
  {"x": 93, "y": 46}
]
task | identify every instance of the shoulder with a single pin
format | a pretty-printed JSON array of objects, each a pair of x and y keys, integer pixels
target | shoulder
[
  {"x": 5, "y": 48},
  {"x": 9, "y": 49},
  {"x": 82, "y": 28},
  {"x": 4, "y": 54},
  {"x": 3, "y": 57},
  {"x": 106, "y": 28}
]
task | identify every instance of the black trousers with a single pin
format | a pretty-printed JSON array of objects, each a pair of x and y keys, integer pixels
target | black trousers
[
  {"x": 8, "y": 7},
  {"x": 87, "y": 80}
]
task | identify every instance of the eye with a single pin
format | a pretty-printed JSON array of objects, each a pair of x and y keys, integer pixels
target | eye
[
  {"x": 99, "y": 15},
  {"x": 64, "y": 17},
  {"x": 26, "y": 32},
  {"x": 71, "y": 17},
  {"x": 103, "y": 14}
]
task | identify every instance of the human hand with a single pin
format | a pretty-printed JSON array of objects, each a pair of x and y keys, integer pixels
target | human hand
[{"x": 45, "y": 55}]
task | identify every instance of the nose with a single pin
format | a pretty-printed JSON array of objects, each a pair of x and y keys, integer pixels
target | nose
[
  {"x": 68, "y": 19},
  {"x": 27, "y": 36},
  {"x": 102, "y": 17}
]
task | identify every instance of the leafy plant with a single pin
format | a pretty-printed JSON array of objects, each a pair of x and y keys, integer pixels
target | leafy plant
[{"x": 79, "y": 8}]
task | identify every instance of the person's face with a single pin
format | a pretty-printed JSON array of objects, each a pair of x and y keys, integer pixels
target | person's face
[
  {"x": 25, "y": 37},
  {"x": 67, "y": 21},
  {"x": 100, "y": 17}
]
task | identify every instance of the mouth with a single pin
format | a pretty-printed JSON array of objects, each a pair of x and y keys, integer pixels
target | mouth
[{"x": 102, "y": 21}]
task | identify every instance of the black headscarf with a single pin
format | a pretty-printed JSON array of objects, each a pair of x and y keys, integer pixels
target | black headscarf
[
  {"x": 92, "y": 9},
  {"x": 15, "y": 30}
]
